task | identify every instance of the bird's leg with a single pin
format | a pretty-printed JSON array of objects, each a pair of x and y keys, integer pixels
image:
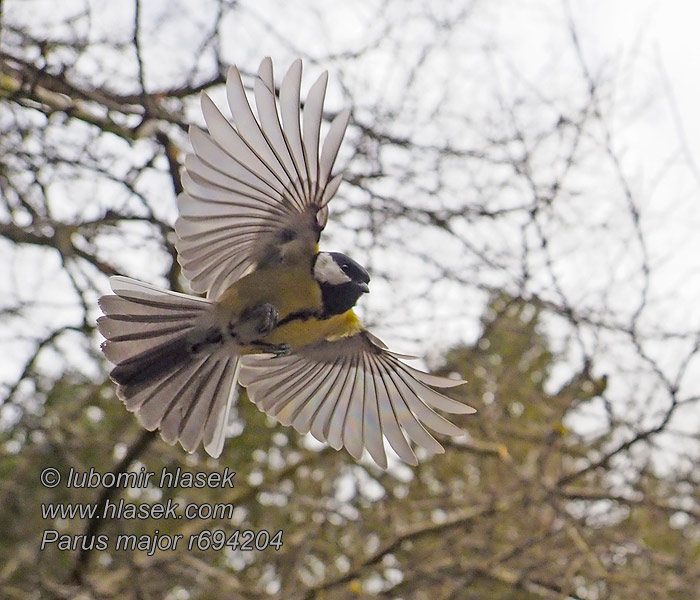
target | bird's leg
[
  {"x": 265, "y": 317},
  {"x": 254, "y": 324},
  {"x": 258, "y": 320}
]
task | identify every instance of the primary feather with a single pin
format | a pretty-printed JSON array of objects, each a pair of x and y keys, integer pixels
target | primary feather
[
  {"x": 253, "y": 183},
  {"x": 351, "y": 392}
]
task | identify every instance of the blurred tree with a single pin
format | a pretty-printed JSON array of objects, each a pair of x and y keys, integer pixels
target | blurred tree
[{"x": 510, "y": 511}]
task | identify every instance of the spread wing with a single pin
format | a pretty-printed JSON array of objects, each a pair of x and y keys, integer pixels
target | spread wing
[
  {"x": 353, "y": 392},
  {"x": 253, "y": 187}
]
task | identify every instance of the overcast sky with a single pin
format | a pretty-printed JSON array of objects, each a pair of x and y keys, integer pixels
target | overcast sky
[{"x": 649, "y": 49}]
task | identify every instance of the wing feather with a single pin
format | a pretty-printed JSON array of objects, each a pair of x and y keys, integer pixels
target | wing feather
[
  {"x": 246, "y": 202},
  {"x": 282, "y": 387},
  {"x": 290, "y": 111},
  {"x": 353, "y": 424},
  {"x": 408, "y": 421},
  {"x": 313, "y": 115},
  {"x": 255, "y": 179},
  {"x": 279, "y": 382},
  {"x": 204, "y": 174},
  {"x": 238, "y": 147},
  {"x": 322, "y": 419},
  {"x": 352, "y": 392},
  {"x": 296, "y": 388},
  {"x": 414, "y": 379},
  {"x": 389, "y": 421},
  {"x": 421, "y": 410},
  {"x": 272, "y": 130},
  {"x": 372, "y": 429},
  {"x": 305, "y": 399},
  {"x": 334, "y": 436},
  {"x": 217, "y": 158},
  {"x": 331, "y": 145},
  {"x": 255, "y": 137},
  {"x": 325, "y": 390}
]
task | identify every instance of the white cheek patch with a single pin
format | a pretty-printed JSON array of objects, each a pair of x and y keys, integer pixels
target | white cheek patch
[{"x": 326, "y": 270}]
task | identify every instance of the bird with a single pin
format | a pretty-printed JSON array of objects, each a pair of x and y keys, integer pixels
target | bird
[{"x": 269, "y": 311}]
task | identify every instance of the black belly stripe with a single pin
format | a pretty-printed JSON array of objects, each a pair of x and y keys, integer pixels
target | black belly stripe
[{"x": 300, "y": 315}]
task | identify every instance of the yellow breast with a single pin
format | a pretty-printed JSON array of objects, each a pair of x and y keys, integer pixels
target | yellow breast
[
  {"x": 291, "y": 289},
  {"x": 300, "y": 333}
]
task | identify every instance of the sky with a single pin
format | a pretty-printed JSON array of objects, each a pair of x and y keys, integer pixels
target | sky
[
  {"x": 658, "y": 39},
  {"x": 670, "y": 51}
]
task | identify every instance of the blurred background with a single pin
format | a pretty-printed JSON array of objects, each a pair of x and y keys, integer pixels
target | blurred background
[{"x": 520, "y": 180}]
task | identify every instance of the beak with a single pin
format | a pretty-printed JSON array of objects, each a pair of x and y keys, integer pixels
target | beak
[{"x": 364, "y": 287}]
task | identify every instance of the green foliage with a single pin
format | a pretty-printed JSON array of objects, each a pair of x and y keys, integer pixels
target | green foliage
[{"x": 509, "y": 512}]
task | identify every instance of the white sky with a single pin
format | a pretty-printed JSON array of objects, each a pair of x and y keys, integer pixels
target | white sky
[{"x": 671, "y": 47}]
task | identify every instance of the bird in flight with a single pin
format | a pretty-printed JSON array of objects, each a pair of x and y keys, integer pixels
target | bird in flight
[{"x": 277, "y": 313}]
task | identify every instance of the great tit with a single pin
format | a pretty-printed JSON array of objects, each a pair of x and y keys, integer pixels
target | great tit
[{"x": 277, "y": 317}]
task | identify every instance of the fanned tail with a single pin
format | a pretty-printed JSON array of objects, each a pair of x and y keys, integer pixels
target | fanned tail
[
  {"x": 173, "y": 368},
  {"x": 147, "y": 367}
]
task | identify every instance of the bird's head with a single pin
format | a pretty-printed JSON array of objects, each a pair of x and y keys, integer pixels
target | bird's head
[{"x": 342, "y": 281}]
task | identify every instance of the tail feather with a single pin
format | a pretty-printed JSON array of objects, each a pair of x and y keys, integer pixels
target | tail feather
[
  {"x": 207, "y": 420},
  {"x": 140, "y": 318},
  {"x": 168, "y": 368},
  {"x": 150, "y": 365},
  {"x": 217, "y": 418}
]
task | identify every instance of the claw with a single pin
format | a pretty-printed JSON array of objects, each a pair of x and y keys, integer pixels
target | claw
[
  {"x": 282, "y": 349},
  {"x": 276, "y": 349}
]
